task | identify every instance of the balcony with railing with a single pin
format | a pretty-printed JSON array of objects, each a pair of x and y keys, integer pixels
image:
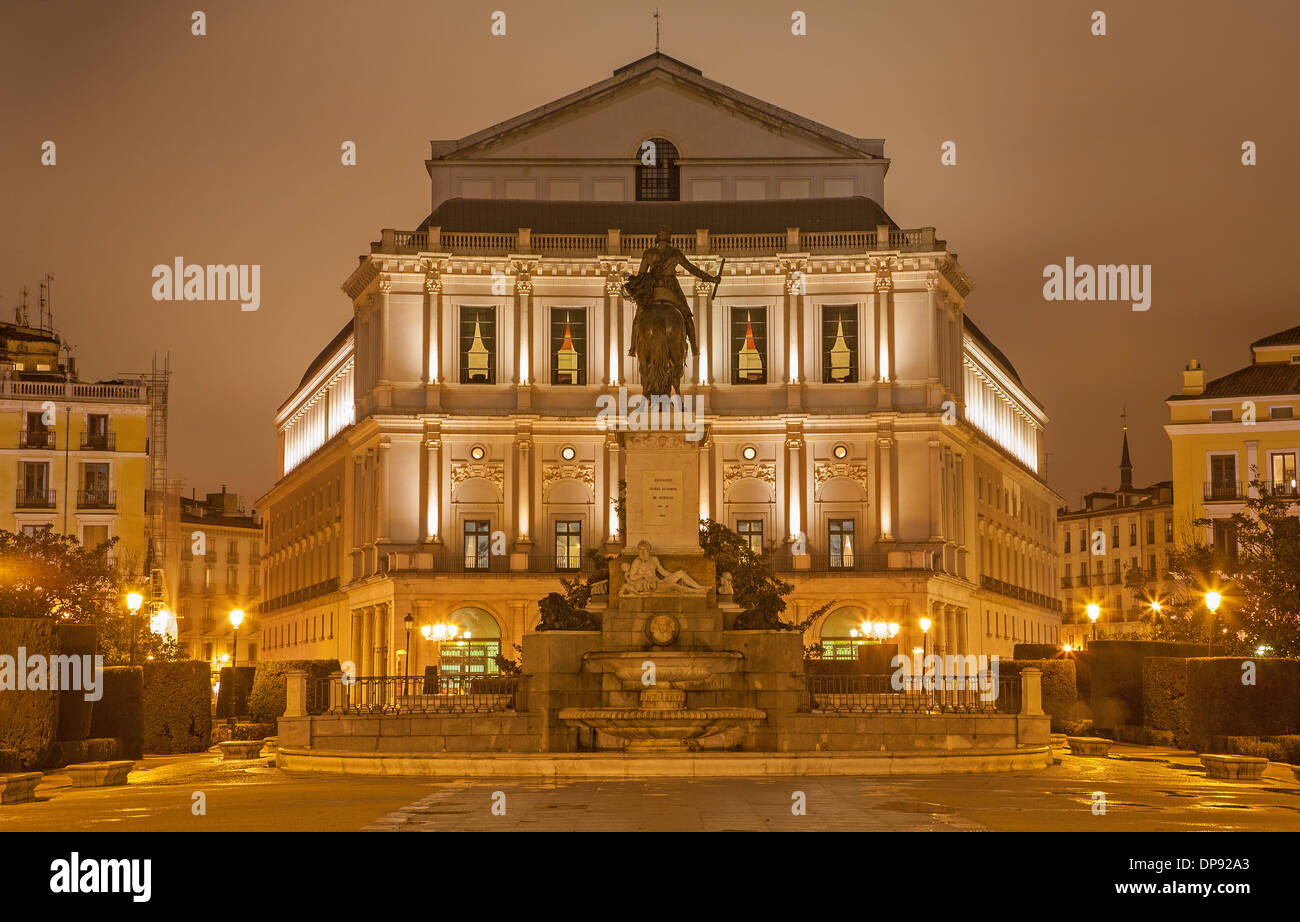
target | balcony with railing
[
  {"x": 614, "y": 243},
  {"x": 35, "y": 499},
  {"x": 1036, "y": 599},
  {"x": 99, "y": 441},
  {"x": 1224, "y": 492},
  {"x": 1284, "y": 488},
  {"x": 96, "y": 499},
  {"x": 300, "y": 595},
  {"x": 38, "y": 439}
]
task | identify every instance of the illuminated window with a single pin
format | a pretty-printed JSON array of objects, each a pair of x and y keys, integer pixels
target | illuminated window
[
  {"x": 839, "y": 345},
  {"x": 568, "y": 346},
  {"x": 841, "y": 544},
  {"x": 751, "y": 532},
  {"x": 478, "y": 364},
  {"x": 568, "y": 545},
  {"x": 749, "y": 345},
  {"x": 478, "y": 537}
]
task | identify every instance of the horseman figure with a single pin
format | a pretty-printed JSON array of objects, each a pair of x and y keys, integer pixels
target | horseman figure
[{"x": 663, "y": 323}]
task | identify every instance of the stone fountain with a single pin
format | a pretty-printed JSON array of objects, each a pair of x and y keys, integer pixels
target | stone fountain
[{"x": 662, "y": 628}]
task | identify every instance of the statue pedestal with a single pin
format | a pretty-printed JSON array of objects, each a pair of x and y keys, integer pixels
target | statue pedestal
[{"x": 663, "y": 492}]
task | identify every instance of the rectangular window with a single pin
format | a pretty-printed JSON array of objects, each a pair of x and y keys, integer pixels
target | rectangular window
[
  {"x": 1151, "y": 566},
  {"x": 1114, "y": 535},
  {"x": 1151, "y": 531},
  {"x": 1225, "y": 541},
  {"x": 97, "y": 437},
  {"x": 751, "y": 532},
  {"x": 1169, "y": 528},
  {"x": 1067, "y": 542},
  {"x": 1132, "y": 534},
  {"x": 93, "y": 536},
  {"x": 1280, "y": 413},
  {"x": 37, "y": 434},
  {"x": 35, "y": 487},
  {"x": 1282, "y": 473},
  {"x": 469, "y": 657},
  {"x": 839, "y": 344},
  {"x": 1223, "y": 477},
  {"x": 568, "y": 545},
  {"x": 1221, "y": 416},
  {"x": 749, "y": 345},
  {"x": 478, "y": 345},
  {"x": 568, "y": 346},
  {"x": 841, "y": 544},
  {"x": 478, "y": 537},
  {"x": 35, "y": 531}
]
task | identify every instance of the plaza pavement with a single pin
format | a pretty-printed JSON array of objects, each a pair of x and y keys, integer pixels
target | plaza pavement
[{"x": 1146, "y": 789}]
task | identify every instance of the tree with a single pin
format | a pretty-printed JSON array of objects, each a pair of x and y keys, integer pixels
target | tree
[
  {"x": 53, "y": 576},
  {"x": 1258, "y": 576},
  {"x": 760, "y": 594}
]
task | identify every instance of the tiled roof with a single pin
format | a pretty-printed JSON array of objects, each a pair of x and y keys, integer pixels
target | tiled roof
[
  {"x": 1252, "y": 381},
  {"x": 1289, "y": 337},
  {"x": 506, "y": 216}
]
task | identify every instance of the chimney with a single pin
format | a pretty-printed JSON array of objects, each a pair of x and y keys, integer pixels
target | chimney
[{"x": 1193, "y": 379}]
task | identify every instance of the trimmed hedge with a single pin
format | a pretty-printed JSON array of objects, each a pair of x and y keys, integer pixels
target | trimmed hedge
[
  {"x": 120, "y": 713},
  {"x": 1116, "y": 692},
  {"x": 1274, "y": 748},
  {"x": 1201, "y": 702},
  {"x": 1060, "y": 697},
  {"x": 222, "y": 732},
  {"x": 267, "y": 700},
  {"x": 74, "y": 710},
  {"x": 1164, "y": 700},
  {"x": 1035, "y": 651},
  {"x": 177, "y": 707},
  {"x": 29, "y": 719},
  {"x": 9, "y": 761}
]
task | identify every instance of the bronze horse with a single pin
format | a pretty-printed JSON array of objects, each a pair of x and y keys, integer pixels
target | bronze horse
[{"x": 661, "y": 340}]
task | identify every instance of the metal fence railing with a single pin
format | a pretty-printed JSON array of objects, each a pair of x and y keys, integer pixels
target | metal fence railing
[
  {"x": 414, "y": 694},
  {"x": 950, "y": 694}
]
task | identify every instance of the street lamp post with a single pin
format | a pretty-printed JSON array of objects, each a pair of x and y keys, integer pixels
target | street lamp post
[
  {"x": 1094, "y": 612},
  {"x": 236, "y": 619},
  {"x": 925, "y": 639},
  {"x": 133, "y": 602},
  {"x": 409, "y": 621},
  {"x": 1212, "y": 600}
]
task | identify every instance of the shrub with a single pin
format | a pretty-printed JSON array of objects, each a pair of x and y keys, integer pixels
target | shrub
[
  {"x": 222, "y": 732},
  {"x": 1285, "y": 748},
  {"x": 120, "y": 713},
  {"x": 1036, "y": 651},
  {"x": 1219, "y": 704},
  {"x": 177, "y": 707},
  {"x": 1164, "y": 698},
  {"x": 9, "y": 761},
  {"x": 266, "y": 701},
  {"x": 74, "y": 710},
  {"x": 29, "y": 720}
]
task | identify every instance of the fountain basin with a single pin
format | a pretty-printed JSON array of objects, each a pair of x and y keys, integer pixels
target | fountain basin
[
  {"x": 681, "y": 669},
  {"x": 661, "y": 730}
]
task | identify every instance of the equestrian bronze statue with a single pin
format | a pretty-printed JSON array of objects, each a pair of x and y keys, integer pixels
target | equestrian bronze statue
[{"x": 663, "y": 325}]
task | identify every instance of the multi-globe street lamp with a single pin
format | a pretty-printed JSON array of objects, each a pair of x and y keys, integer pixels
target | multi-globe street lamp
[
  {"x": 236, "y": 619},
  {"x": 409, "y": 621}
]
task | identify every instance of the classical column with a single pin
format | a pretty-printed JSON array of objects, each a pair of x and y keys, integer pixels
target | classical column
[
  {"x": 612, "y": 474},
  {"x": 703, "y": 320},
  {"x": 936, "y": 493},
  {"x": 381, "y": 328},
  {"x": 794, "y": 484},
  {"x": 523, "y": 490},
  {"x": 365, "y": 663},
  {"x": 885, "y": 323},
  {"x": 950, "y": 629},
  {"x": 885, "y": 484},
  {"x": 963, "y": 630},
  {"x": 433, "y": 338},
  {"x": 383, "y": 470},
  {"x": 613, "y": 362},
  {"x": 433, "y": 487}
]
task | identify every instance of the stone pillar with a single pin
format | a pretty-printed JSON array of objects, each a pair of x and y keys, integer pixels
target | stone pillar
[
  {"x": 366, "y": 662},
  {"x": 950, "y": 629},
  {"x": 703, "y": 310},
  {"x": 523, "y": 490},
  {"x": 885, "y": 484},
  {"x": 612, "y": 475},
  {"x": 796, "y": 509},
  {"x": 383, "y": 469},
  {"x": 1031, "y": 692},
  {"x": 963, "y": 631},
  {"x": 295, "y": 694},
  {"x": 380, "y": 330},
  {"x": 433, "y": 488},
  {"x": 936, "y": 493}
]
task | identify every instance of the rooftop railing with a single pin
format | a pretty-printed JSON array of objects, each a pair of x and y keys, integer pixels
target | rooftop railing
[
  {"x": 137, "y": 392},
  {"x": 614, "y": 243}
]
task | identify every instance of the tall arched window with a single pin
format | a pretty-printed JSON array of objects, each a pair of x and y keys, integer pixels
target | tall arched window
[{"x": 657, "y": 175}]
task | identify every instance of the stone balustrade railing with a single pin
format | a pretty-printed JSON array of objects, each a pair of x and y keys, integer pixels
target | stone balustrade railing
[{"x": 615, "y": 243}]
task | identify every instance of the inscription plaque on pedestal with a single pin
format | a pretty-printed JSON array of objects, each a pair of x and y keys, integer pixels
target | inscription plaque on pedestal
[{"x": 663, "y": 497}]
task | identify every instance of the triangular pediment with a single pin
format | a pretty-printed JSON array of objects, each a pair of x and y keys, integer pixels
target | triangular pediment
[{"x": 659, "y": 96}]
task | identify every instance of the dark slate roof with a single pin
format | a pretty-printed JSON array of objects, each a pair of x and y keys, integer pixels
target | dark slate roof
[
  {"x": 1289, "y": 337},
  {"x": 1252, "y": 381},
  {"x": 505, "y": 216},
  {"x": 339, "y": 339},
  {"x": 992, "y": 349}
]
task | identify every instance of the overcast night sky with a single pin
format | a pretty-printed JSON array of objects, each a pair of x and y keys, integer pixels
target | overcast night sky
[{"x": 225, "y": 149}]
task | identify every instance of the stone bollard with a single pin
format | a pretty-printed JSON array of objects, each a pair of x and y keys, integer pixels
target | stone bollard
[
  {"x": 1031, "y": 692},
  {"x": 295, "y": 694}
]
